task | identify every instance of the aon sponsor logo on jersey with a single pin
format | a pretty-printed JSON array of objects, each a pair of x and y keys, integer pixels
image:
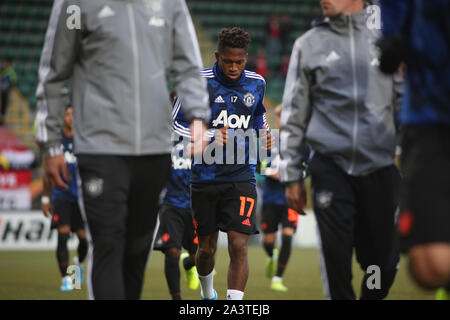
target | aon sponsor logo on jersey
[
  {"x": 233, "y": 121},
  {"x": 179, "y": 163}
]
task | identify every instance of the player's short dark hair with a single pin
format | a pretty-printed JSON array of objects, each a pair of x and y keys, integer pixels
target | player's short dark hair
[{"x": 233, "y": 38}]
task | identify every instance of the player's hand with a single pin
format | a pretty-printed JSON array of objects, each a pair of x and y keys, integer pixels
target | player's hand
[
  {"x": 273, "y": 173},
  {"x": 54, "y": 167},
  {"x": 296, "y": 196},
  {"x": 393, "y": 49},
  {"x": 221, "y": 136},
  {"x": 199, "y": 139},
  {"x": 46, "y": 209},
  {"x": 267, "y": 139},
  {"x": 275, "y": 176}
]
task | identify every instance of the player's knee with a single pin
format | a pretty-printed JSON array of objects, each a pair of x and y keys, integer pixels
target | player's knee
[
  {"x": 81, "y": 233},
  {"x": 173, "y": 253},
  {"x": 64, "y": 229},
  {"x": 238, "y": 248},
  {"x": 207, "y": 247},
  {"x": 288, "y": 232},
  {"x": 430, "y": 265},
  {"x": 269, "y": 237},
  {"x": 206, "y": 252}
]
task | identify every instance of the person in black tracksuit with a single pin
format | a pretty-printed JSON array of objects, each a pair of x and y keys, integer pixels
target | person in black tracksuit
[{"x": 338, "y": 101}]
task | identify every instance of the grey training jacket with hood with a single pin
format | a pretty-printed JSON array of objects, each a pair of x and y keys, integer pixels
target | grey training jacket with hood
[
  {"x": 118, "y": 55},
  {"x": 337, "y": 99}
]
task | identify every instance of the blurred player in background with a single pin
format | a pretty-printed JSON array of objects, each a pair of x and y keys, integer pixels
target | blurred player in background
[
  {"x": 337, "y": 100},
  {"x": 275, "y": 211},
  {"x": 176, "y": 225},
  {"x": 64, "y": 209},
  {"x": 223, "y": 191},
  {"x": 118, "y": 56},
  {"x": 418, "y": 34}
]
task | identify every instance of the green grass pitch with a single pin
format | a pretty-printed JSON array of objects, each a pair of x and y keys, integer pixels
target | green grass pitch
[{"x": 33, "y": 275}]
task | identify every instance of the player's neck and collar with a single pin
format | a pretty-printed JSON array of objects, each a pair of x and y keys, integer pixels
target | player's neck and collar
[
  {"x": 222, "y": 79},
  {"x": 67, "y": 133}
]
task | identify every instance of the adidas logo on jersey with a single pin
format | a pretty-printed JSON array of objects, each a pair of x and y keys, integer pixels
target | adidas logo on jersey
[
  {"x": 233, "y": 121},
  {"x": 246, "y": 222},
  {"x": 219, "y": 99}
]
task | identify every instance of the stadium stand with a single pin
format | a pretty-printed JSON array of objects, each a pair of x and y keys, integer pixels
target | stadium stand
[
  {"x": 22, "y": 31},
  {"x": 23, "y": 24}
]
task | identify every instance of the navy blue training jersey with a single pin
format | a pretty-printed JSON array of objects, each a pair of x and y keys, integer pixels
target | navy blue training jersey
[
  {"x": 273, "y": 189},
  {"x": 426, "y": 28},
  {"x": 274, "y": 192},
  {"x": 240, "y": 106},
  {"x": 70, "y": 195},
  {"x": 178, "y": 185}
]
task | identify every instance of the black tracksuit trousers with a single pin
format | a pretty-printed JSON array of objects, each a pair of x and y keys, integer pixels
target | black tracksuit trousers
[
  {"x": 355, "y": 212},
  {"x": 119, "y": 200}
]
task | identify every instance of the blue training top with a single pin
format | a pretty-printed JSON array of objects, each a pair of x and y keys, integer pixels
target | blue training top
[
  {"x": 178, "y": 185},
  {"x": 426, "y": 28},
  {"x": 240, "y": 106},
  {"x": 70, "y": 195}
]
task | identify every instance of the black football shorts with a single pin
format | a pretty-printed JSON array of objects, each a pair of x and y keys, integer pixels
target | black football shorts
[
  {"x": 274, "y": 215},
  {"x": 425, "y": 197},
  {"x": 66, "y": 213},
  {"x": 224, "y": 206},
  {"x": 176, "y": 230}
]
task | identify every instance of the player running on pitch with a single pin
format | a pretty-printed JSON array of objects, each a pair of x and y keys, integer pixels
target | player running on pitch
[
  {"x": 177, "y": 229},
  {"x": 66, "y": 216},
  {"x": 223, "y": 191}
]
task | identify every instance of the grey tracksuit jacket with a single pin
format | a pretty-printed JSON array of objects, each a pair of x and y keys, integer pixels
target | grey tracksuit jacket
[
  {"x": 118, "y": 55},
  {"x": 337, "y": 99}
]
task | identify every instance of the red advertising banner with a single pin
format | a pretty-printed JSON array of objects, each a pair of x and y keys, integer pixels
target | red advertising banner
[{"x": 14, "y": 179}]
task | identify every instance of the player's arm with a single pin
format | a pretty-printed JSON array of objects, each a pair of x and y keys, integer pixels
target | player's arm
[
  {"x": 185, "y": 70},
  {"x": 260, "y": 123},
  {"x": 294, "y": 120},
  {"x": 396, "y": 18},
  {"x": 196, "y": 134},
  {"x": 46, "y": 193},
  {"x": 56, "y": 66}
]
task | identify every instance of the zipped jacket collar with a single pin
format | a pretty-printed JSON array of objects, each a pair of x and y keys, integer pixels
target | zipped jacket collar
[{"x": 340, "y": 23}]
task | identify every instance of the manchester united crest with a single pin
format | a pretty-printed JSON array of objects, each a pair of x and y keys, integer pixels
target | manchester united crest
[{"x": 249, "y": 99}]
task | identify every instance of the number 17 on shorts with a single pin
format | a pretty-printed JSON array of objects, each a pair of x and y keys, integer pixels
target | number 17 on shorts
[{"x": 244, "y": 201}]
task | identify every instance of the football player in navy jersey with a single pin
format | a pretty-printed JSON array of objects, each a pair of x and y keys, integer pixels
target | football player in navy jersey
[
  {"x": 275, "y": 211},
  {"x": 176, "y": 228},
  {"x": 223, "y": 192},
  {"x": 66, "y": 215}
]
